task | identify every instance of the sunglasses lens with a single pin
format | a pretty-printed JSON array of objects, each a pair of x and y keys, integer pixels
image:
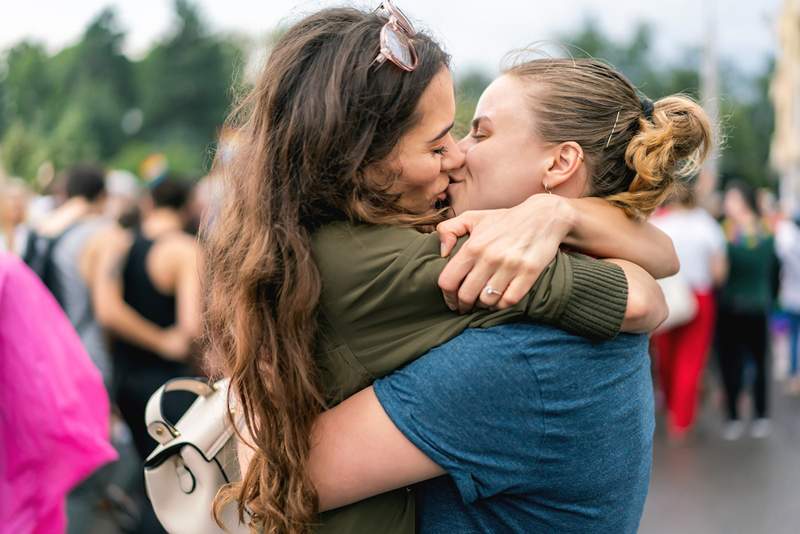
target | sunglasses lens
[{"x": 398, "y": 46}]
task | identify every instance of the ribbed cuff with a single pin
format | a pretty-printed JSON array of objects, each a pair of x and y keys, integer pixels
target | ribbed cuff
[{"x": 599, "y": 299}]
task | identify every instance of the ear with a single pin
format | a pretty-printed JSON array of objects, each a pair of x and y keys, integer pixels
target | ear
[{"x": 565, "y": 163}]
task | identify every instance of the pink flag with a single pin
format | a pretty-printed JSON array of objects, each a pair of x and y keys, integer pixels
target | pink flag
[{"x": 54, "y": 410}]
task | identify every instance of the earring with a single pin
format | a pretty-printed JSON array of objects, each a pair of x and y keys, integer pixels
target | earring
[{"x": 547, "y": 188}]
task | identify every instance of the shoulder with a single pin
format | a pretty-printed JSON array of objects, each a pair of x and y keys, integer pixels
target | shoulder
[
  {"x": 362, "y": 248},
  {"x": 176, "y": 251},
  {"x": 367, "y": 238}
]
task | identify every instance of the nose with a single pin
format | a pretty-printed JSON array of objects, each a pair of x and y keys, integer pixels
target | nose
[
  {"x": 465, "y": 143},
  {"x": 454, "y": 158}
]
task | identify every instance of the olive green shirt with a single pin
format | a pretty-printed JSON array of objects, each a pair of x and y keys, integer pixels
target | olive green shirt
[{"x": 381, "y": 308}]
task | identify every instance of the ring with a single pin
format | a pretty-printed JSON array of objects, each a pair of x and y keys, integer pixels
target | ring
[{"x": 489, "y": 290}]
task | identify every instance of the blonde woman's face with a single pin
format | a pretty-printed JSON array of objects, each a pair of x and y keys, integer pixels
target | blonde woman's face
[
  {"x": 426, "y": 154},
  {"x": 505, "y": 161}
]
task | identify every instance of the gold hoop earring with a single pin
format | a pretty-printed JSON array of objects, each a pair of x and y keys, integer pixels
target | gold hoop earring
[{"x": 547, "y": 188}]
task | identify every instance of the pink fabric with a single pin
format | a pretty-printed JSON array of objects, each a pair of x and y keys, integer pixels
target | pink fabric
[{"x": 54, "y": 410}]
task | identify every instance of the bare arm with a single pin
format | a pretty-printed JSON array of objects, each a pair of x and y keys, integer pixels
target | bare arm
[
  {"x": 187, "y": 290},
  {"x": 357, "y": 452},
  {"x": 604, "y": 231},
  {"x": 114, "y": 313},
  {"x": 647, "y": 307},
  {"x": 509, "y": 246}
]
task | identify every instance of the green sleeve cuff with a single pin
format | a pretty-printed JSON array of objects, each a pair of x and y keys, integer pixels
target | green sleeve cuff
[{"x": 599, "y": 299}]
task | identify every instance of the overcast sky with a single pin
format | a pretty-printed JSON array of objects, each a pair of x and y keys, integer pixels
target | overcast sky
[{"x": 475, "y": 32}]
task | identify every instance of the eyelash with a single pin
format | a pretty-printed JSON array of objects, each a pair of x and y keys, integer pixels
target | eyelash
[{"x": 441, "y": 151}]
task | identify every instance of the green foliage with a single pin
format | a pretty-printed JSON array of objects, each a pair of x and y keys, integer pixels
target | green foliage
[
  {"x": 747, "y": 118},
  {"x": 74, "y": 105},
  {"x": 184, "y": 81},
  {"x": 470, "y": 87},
  {"x": 69, "y": 107}
]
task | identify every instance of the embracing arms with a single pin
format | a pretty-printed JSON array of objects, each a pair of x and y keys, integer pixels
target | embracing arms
[{"x": 508, "y": 248}]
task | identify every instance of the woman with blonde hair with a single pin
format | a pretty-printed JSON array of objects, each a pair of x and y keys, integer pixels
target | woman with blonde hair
[{"x": 318, "y": 286}]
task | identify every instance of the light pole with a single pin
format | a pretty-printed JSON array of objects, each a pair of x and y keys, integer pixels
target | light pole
[{"x": 709, "y": 95}]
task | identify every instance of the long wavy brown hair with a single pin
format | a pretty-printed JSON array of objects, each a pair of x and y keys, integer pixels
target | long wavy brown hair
[{"x": 320, "y": 115}]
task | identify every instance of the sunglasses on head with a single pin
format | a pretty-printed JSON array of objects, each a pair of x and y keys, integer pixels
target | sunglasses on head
[{"x": 396, "y": 37}]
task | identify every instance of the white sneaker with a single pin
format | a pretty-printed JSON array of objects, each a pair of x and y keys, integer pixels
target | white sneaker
[
  {"x": 761, "y": 428},
  {"x": 733, "y": 430}
]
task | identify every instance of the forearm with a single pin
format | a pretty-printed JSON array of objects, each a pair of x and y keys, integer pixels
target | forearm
[
  {"x": 358, "y": 452},
  {"x": 647, "y": 307},
  {"x": 604, "y": 231},
  {"x": 127, "y": 324}
]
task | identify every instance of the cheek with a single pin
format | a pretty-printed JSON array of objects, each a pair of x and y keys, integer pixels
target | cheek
[
  {"x": 421, "y": 173},
  {"x": 501, "y": 177}
]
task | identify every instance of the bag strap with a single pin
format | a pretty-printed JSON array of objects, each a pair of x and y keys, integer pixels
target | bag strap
[{"x": 159, "y": 428}]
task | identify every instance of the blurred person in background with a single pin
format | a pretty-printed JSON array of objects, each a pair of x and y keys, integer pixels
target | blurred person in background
[
  {"x": 787, "y": 246},
  {"x": 147, "y": 294},
  {"x": 14, "y": 232},
  {"x": 682, "y": 351},
  {"x": 123, "y": 197},
  {"x": 744, "y": 305},
  {"x": 768, "y": 208},
  {"x": 64, "y": 254},
  {"x": 55, "y": 412}
]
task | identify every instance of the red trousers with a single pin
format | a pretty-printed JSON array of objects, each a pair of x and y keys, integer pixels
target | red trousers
[{"x": 682, "y": 354}]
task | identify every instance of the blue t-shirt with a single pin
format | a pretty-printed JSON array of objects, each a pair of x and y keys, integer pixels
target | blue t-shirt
[{"x": 539, "y": 430}]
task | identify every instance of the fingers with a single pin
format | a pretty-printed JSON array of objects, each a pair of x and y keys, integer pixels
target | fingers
[
  {"x": 473, "y": 285},
  {"x": 451, "y": 229},
  {"x": 449, "y": 240},
  {"x": 453, "y": 275},
  {"x": 520, "y": 285},
  {"x": 498, "y": 283}
]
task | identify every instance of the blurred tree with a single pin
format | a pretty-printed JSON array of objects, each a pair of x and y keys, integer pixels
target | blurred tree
[
  {"x": 184, "y": 83},
  {"x": 26, "y": 83},
  {"x": 468, "y": 92},
  {"x": 747, "y": 118}
]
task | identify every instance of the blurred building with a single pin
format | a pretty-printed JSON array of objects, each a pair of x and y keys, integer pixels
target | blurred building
[{"x": 785, "y": 93}]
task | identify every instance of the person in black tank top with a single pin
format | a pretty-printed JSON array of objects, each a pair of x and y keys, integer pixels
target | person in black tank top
[{"x": 138, "y": 371}]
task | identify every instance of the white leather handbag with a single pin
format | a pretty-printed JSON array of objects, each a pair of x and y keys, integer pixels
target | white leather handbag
[{"x": 193, "y": 460}]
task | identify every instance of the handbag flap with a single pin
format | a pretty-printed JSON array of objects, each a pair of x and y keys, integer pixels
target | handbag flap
[{"x": 206, "y": 426}]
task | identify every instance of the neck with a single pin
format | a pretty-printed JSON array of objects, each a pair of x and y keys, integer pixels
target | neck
[{"x": 161, "y": 221}]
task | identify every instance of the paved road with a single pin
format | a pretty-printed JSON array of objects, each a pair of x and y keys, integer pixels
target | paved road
[{"x": 711, "y": 486}]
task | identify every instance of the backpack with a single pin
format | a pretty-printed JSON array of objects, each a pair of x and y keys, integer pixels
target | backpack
[{"x": 39, "y": 257}]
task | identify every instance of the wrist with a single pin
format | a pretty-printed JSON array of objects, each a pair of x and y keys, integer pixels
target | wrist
[
  {"x": 564, "y": 216},
  {"x": 573, "y": 219}
]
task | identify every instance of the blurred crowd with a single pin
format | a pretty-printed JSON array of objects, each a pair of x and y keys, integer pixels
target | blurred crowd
[
  {"x": 122, "y": 260},
  {"x": 121, "y": 257},
  {"x": 734, "y": 310}
]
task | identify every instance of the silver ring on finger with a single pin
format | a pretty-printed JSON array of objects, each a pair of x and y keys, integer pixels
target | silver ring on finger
[{"x": 489, "y": 290}]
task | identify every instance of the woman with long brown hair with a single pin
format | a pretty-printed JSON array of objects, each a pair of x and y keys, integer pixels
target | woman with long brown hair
[{"x": 320, "y": 275}]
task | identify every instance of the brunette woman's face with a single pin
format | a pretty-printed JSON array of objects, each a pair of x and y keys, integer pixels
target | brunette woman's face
[
  {"x": 428, "y": 153},
  {"x": 505, "y": 161}
]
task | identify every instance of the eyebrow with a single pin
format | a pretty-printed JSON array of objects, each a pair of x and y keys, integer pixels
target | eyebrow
[
  {"x": 477, "y": 121},
  {"x": 442, "y": 133}
]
